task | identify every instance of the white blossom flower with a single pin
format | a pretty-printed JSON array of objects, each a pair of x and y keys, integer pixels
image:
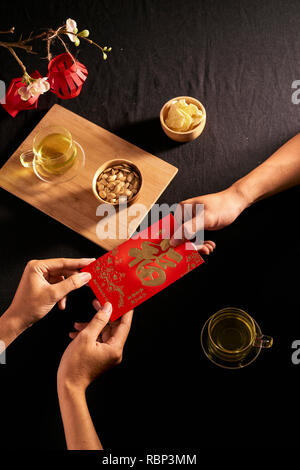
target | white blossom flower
[
  {"x": 34, "y": 89},
  {"x": 71, "y": 26},
  {"x": 39, "y": 86},
  {"x": 24, "y": 93}
]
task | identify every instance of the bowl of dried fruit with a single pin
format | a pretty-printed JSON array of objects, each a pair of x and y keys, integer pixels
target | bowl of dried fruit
[
  {"x": 183, "y": 118},
  {"x": 117, "y": 179}
]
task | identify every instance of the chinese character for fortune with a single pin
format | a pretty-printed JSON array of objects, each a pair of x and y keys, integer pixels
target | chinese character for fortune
[{"x": 152, "y": 260}]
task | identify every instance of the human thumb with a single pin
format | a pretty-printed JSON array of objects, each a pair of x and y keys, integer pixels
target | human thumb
[
  {"x": 99, "y": 321},
  {"x": 71, "y": 283}
]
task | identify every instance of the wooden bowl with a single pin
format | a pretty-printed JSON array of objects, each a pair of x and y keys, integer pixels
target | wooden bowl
[
  {"x": 186, "y": 136},
  {"x": 111, "y": 163}
]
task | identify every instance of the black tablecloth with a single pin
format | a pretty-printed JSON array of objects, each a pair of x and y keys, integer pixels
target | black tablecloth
[{"x": 240, "y": 59}]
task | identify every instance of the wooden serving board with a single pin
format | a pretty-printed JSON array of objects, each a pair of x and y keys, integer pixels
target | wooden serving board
[{"x": 73, "y": 203}]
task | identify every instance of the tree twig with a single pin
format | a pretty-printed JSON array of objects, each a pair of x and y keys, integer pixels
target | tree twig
[
  {"x": 9, "y": 31},
  {"x": 86, "y": 39},
  {"x": 51, "y": 35},
  {"x": 48, "y": 36},
  {"x": 18, "y": 60},
  {"x": 66, "y": 48},
  {"x": 33, "y": 38}
]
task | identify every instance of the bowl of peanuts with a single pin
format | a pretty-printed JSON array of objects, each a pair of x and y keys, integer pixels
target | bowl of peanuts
[{"x": 117, "y": 179}]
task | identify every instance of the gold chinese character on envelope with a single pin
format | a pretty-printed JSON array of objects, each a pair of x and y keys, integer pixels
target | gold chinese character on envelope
[{"x": 153, "y": 259}]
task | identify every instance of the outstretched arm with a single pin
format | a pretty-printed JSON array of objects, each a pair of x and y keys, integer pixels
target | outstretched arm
[
  {"x": 279, "y": 172},
  {"x": 79, "y": 429},
  {"x": 96, "y": 346}
]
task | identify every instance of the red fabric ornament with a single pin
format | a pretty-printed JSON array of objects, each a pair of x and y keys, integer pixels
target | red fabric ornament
[
  {"x": 66, "y": 76},
  {"x": 13, "y": 102}
]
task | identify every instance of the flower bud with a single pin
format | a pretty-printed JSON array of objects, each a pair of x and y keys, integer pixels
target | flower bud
[
  {"x": 77, "y": 41},
  {"x": 84, "y": 33}
]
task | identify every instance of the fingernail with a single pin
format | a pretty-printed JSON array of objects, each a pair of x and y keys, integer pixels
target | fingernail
[
  {"x": 86, "y": 260},
  {"x": 174, "y": 242},
  {"x": 85, "y": 277},
  {"x": 97, "y": 304},
  {"x": 107, "y": 307}
]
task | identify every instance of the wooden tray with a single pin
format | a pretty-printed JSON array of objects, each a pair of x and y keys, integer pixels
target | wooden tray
[{"x": 73, "y": 203}]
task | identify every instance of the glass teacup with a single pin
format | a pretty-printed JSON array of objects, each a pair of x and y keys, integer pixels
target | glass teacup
[
  {"x": 55, "y": 157},
  {"x": 231, "y": 338}
]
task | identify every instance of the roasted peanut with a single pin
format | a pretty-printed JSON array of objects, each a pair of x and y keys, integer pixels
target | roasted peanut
[{"x": 118, "y": 182}]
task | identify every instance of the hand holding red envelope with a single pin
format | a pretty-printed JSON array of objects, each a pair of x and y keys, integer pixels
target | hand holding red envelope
[{"x": 141, "y": 267}]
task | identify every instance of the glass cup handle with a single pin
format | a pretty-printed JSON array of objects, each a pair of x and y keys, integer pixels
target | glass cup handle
[
  {"x": 263, "y": 341},
  {"x": 27, "y": 158}
]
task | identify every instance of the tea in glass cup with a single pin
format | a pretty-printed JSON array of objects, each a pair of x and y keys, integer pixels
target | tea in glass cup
[
  {"x": 231, "y": 338},
  {"x": 55, "y": 156}
]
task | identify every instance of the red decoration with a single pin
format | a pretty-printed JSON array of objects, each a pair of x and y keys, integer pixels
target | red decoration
[
  {"x": 13, "y": 102},
  {"x": 66, "y": 76},
  {"x": 141, "y": 267}
]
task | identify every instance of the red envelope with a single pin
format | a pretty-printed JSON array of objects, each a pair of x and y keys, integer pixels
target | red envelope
[{"x": 141, "y": 267}]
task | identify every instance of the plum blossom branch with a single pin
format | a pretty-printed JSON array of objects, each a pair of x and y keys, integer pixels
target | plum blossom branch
[
  {"x": 69, "y": 29},
  {"x": 40, "y": 85}
]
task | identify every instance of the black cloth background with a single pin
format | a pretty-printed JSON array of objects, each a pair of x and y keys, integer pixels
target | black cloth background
[{"x": 240, "y": 59}]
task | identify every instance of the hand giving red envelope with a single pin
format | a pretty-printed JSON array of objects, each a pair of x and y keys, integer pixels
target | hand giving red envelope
[{"x": 141, "y": 267}]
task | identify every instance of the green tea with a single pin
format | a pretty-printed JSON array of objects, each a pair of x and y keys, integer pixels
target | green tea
[
  {"x": 232, "y": 339},
  {"x": 232, "y": 332},
  {"x": 56, "y": 153}
]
